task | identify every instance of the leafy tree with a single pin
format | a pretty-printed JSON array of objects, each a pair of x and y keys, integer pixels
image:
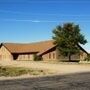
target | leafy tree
[{"x": 67, "y": 37}]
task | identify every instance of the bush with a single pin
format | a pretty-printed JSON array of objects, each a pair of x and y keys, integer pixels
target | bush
[
  {"x": 37, "y": 58},
  {"x": 87, "y": 58}
]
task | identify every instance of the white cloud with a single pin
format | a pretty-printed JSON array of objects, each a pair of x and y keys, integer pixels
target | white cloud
[
  {"x": 29, "y": 20},
  {"x": 48, "y": 14},
  {"x": 36, "y": 21},
  {"x": 39, "y": 21}
]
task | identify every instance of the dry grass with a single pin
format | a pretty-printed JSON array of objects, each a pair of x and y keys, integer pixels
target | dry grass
[
  {"x": 56, "y": 68},
  {"x": 17, "y": 71}
]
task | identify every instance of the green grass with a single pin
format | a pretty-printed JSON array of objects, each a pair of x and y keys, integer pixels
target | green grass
[{"x": 17, "y": 71}]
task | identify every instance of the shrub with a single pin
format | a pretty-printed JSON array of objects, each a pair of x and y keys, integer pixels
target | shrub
[
  {"x": 37, "y": 58},
  {"x": 87, "y": 58}
]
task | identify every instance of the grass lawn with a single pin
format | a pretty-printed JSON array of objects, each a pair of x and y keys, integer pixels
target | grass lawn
[{"x": 17, "y": 71}]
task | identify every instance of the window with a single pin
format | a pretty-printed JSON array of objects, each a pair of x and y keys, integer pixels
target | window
[
  {"x": 0, "y": 56},
  {"x": 21, "y": 57},
  {"x": 49, "y": 55},
  {"x": 28, "y": 56},
  {"x": 53, "y": 55}
]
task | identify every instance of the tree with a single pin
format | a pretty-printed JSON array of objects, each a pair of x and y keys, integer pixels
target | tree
[{"x": 67, "y": 37}]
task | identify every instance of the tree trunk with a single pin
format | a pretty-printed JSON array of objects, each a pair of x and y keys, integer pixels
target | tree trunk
[{"x": 69, "y": 57}]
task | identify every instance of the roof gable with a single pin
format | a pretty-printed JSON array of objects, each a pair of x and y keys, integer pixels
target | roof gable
[
  {"x": 29, "y": 47},
  {"x": 37, "y": 47}
]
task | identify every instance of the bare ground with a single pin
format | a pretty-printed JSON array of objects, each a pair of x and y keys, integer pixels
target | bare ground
[
  {"x": 66, "y": 77},
  {"x": 60, "y": 68}
]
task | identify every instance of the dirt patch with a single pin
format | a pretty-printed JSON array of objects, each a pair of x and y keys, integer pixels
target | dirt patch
[{"x": 54, "y": 68}]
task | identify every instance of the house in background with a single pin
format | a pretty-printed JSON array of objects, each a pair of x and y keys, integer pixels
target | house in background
[{"x": 45, "y": 49}]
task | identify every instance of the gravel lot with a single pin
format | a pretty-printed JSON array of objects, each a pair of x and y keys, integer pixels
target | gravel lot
[{"x": 67, "y": 77}]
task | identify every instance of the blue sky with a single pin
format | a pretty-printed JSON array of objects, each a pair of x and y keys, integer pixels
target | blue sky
[{"x": 33, "y": 20}]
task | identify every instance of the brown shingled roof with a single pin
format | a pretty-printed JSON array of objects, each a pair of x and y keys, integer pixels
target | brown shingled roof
[{"x": 38, "y": 47}]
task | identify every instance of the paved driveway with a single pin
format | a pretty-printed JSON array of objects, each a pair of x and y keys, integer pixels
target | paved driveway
[{"x": 79, "y": 81}]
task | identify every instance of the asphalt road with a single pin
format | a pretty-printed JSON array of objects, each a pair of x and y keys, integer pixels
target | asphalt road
[{"x": 80, "y": 81}]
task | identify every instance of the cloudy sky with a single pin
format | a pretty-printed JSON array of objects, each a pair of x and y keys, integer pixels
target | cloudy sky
[{"x": 33, "y": 20}]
